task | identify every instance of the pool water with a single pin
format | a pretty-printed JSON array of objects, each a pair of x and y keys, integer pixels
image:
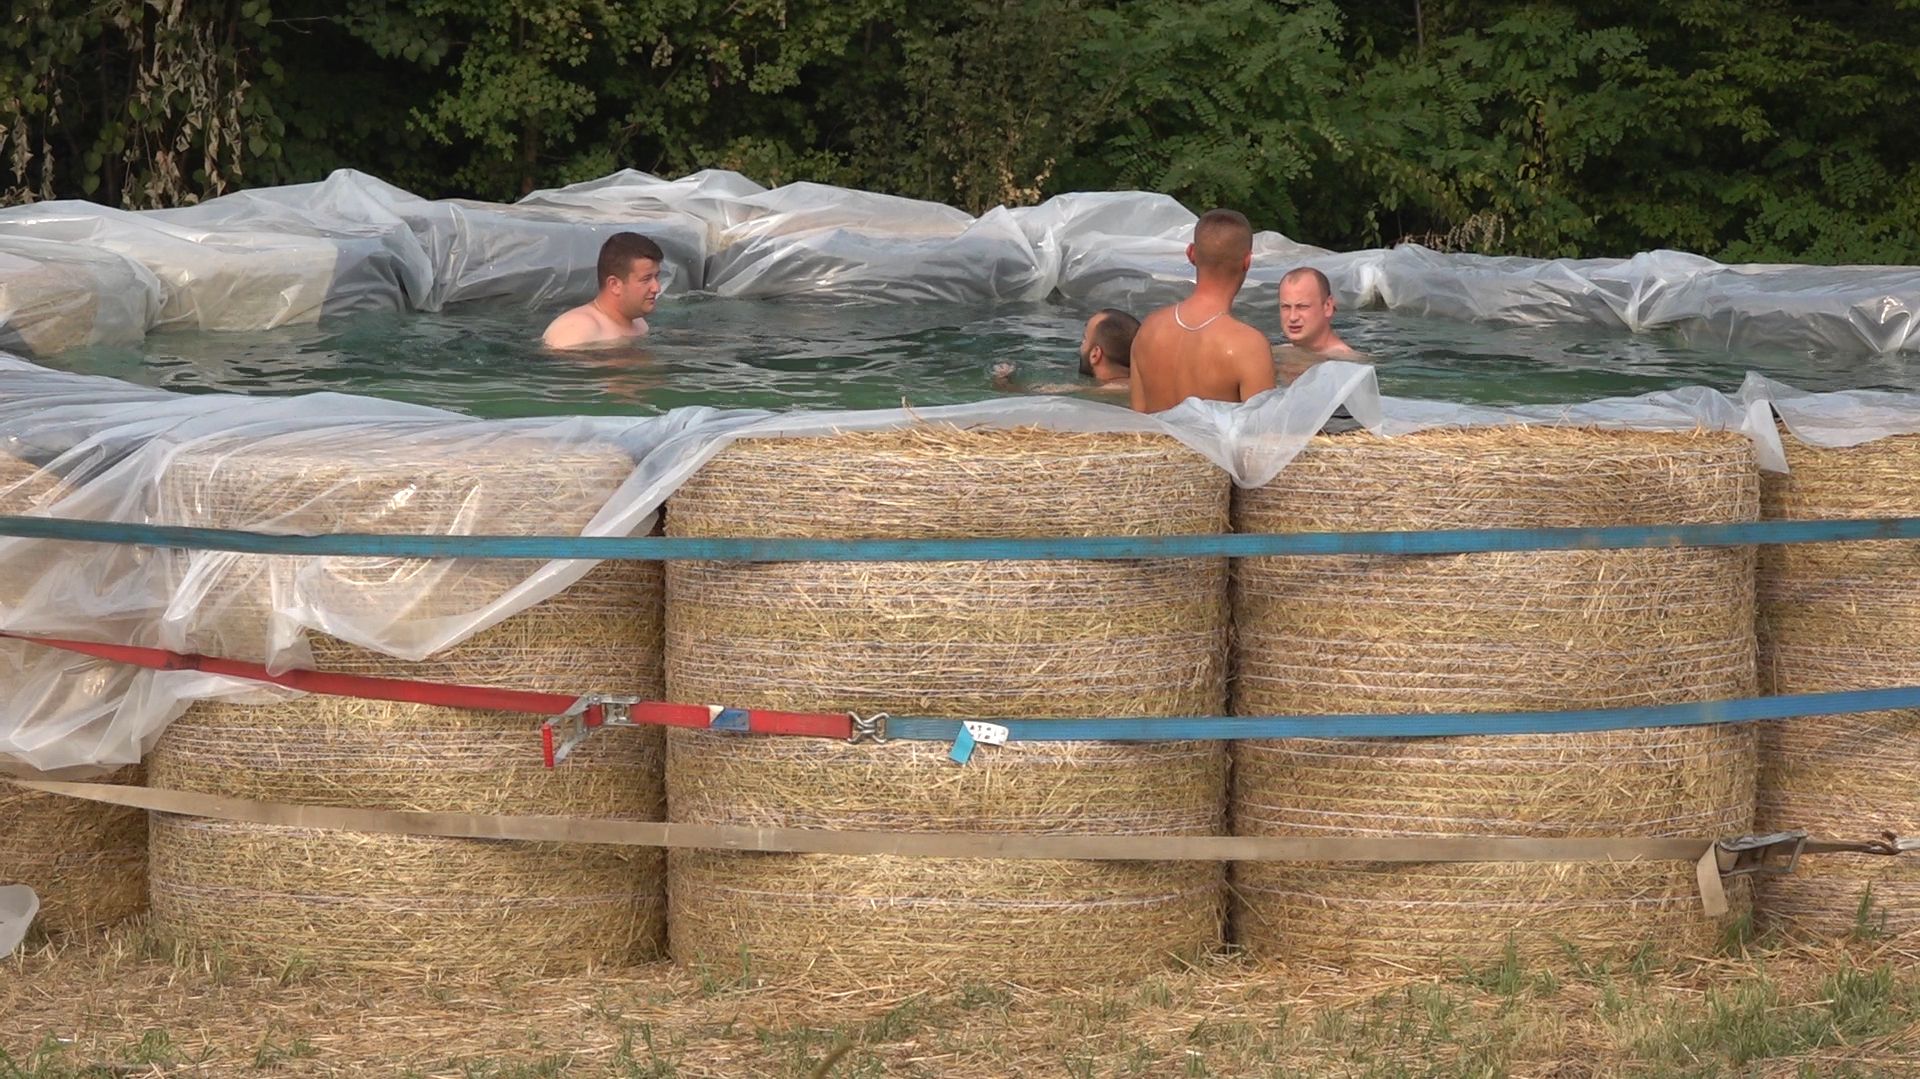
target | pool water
[{"x": 486, "y": 360}]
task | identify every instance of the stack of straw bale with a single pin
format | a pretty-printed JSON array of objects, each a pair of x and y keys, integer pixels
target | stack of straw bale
[
  {"x": 392, "y": 903},
  {"x": 87, "y": 861},
  {"x": 974, "y": 639},
  {"x": 1840, "y": 616},
  {"x": 1491, "y": 632},
  {"x": 45, "y": 307}
]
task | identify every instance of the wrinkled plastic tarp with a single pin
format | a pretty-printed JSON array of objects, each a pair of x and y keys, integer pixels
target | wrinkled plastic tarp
[
  {"x": 18, "y": 905},
  {"x": 274, "y": 256},
  {"x": 56, "y": 296},
  {"x": 108, "y": 451},
  {"x": 219, "y": 274},
  {"x": 814, "y": 240}
]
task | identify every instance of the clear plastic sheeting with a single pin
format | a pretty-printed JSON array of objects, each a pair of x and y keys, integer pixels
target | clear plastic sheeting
[
  {"x": 274, "y": 256},
  {"x": 92, "y": 448},
  {"x": 1128, "y": 249},
  {"x": 18, "y": 905},
  {"x": 380, "y": 265},
  {"x": 1815, "y": 308},
  {"x": 716, "y": 198},
  {"x": 1833, "y": 420},
  {"x": 56, "y": 296},
  {"x": 223, "y": 276},
  {"x": 810, "y": 240}
]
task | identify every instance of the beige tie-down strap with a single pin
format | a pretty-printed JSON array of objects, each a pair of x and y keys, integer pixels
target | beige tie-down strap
[{"x": 1199, "y": 848}]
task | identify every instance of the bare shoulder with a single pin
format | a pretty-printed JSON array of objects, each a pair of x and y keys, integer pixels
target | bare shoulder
[
  {"x": 1249, "y": 342},
  {"x": 571, "y": 329},
  {"x": 1155, "y": 321}
]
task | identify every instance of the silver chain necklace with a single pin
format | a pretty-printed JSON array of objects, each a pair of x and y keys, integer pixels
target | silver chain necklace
[{"x": 1194, "y": 329}]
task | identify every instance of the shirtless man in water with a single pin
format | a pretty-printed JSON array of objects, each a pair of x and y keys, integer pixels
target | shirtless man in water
[
  {"x": 1306, "y": 318},
  {"x": 1196, "y": 348},
  {"x": 1106, "y": 348},
  {"x": 629, "y": 274}
]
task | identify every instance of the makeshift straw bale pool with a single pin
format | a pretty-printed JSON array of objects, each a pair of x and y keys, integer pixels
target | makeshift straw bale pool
[
  {"x": 956, "y": 639},
  {"x": 391, "y": 903},
  {"x": 1840, "y": 616},
  {"x": 1491, "y": 632},
  {"x": 87, "y": 861}
]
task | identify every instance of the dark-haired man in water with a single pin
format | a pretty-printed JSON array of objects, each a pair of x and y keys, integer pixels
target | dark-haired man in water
[
  {"x": 1196, "y": 348},
  {"x": 1106, "y": 351},
  {"x": 629, "y": 275}
]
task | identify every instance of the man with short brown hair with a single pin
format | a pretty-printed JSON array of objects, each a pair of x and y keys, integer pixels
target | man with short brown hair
[
  {"x": 629, "y": 275},
  {"x": 1196, "y": 348}
]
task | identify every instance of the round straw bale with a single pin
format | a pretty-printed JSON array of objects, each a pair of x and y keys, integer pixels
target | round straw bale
[
  {"x": 396, "y": 903},
  {"x": 1491, "y": 632},
  {"x": 87, "y": 861},
  {"x": 24, "y": 487},
  {"x": 1021, "y": 639},
  {"x": 1841, "y": 616},
  {"x": 402, "y": 479},
  {"x": 46, "y": 307}
]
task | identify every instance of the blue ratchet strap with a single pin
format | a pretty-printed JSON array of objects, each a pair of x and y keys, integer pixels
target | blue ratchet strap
[
  {"x": 1081, "y": 548},
  {"x": 1437, "y": 725}
]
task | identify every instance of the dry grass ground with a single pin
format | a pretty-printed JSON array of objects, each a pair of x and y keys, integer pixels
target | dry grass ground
[{"x": 114, "y": 1004}]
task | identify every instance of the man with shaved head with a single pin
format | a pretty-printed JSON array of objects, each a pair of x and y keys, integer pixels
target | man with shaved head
[
  {"x": 1306, "y": 318},
  {"x": 1196, "y": 348}
]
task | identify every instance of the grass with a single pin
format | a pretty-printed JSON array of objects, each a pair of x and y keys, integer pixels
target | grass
[{"x": 112, "y": 1005}]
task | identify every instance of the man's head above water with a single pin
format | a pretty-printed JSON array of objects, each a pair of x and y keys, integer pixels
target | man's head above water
[
  {"x": 629, "y": 275},
  {"x": 628, "y": 285},
  {"x": 1306, "y": 309},
  {"x": 1222, "y": 248},
  {"x": 1106, "y": 347}
]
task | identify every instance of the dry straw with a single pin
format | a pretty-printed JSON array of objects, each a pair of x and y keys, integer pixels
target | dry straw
[
  {"x": 1839, "y": 616},
  {"x": 87, "y": 862},
  {"x": 1031, "y": 639},
  {"x": 400, "y": 904},
  {"x": 1491, "y": 632},
  {"x": 49, "y": 307}
]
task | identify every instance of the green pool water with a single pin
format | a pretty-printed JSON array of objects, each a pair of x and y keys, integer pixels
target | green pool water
[{"x": 485, "y": 360}]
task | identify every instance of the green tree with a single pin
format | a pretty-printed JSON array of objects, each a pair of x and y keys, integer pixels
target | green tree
[{"x": 139, "y": 102}]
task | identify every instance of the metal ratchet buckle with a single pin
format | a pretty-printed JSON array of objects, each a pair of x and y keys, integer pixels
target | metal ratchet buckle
[
  {"x": 1772, "y": 855},
  {"x": 568, "y": 731},
  {"x": 873, "y": 728},
  {"x": 615, "y": 710}
]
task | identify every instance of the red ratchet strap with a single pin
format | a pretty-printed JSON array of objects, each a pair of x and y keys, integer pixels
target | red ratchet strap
[{"x": 586, "y": 712}]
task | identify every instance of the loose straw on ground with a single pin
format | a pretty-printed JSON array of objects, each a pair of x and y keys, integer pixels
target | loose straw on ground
[
  {"x": 87, "y": 862},
  {"x": 1491, "y": 632},
  {"x": 1839, "y": 616},
  {"x": 1032, "y": 639},
  {"x": 408, "y": 904}
]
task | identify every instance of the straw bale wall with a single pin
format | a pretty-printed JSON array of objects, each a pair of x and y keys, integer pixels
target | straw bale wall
[
  {"x": 45, "y": 307},
  {"x": 1840, "y": 616},
  {"x": 1491, "y": 632},
  {"x": 87, "y": 862},
  {"x": 404, "y": 904},
  {"x": 1032, "y": 639}
]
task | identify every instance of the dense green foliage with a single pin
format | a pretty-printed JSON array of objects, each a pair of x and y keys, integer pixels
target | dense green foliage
[{"x": 1742, "y": 129}]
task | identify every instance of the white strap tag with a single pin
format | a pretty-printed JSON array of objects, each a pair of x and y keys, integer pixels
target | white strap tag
[{"x": 988, "y": 734}]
